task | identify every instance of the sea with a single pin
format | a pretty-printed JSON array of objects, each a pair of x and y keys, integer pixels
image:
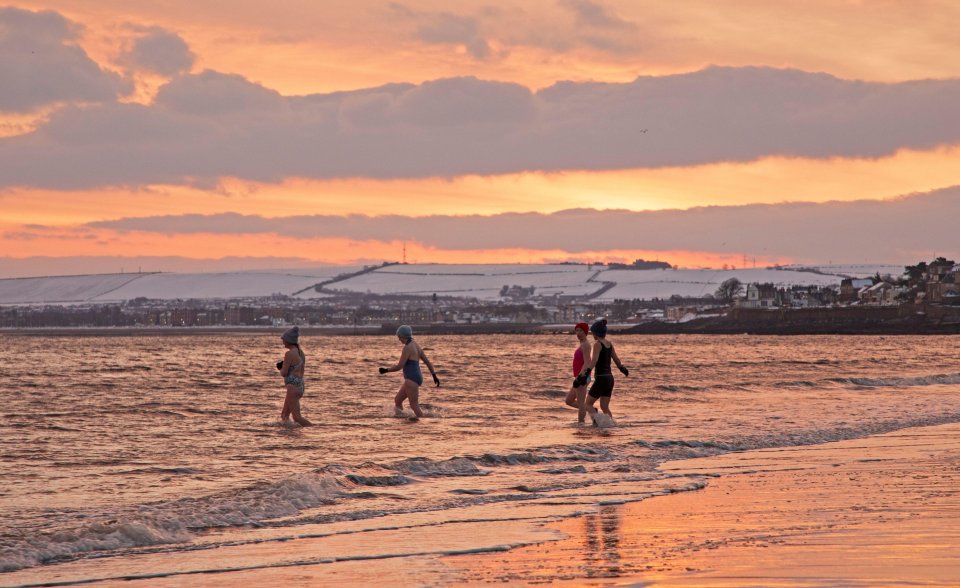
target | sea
[{"x": 125, "y": 457}]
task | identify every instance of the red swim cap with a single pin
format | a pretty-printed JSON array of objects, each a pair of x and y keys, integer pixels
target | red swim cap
[{"x": 584, "y": 326}]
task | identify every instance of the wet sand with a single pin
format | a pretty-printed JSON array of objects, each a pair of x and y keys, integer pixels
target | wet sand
[{"x": 879, "y": 511}]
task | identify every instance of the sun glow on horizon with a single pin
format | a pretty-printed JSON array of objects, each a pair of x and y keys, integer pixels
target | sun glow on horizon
[{"x": 768, "y": 180}]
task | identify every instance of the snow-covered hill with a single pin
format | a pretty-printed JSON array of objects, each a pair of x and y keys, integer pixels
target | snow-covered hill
[
  {"x": 103, "y": 288},
  {"x": 483, "y": 281}
]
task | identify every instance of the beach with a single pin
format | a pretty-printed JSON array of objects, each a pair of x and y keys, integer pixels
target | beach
[
  {"x": 879, "y": 511},
  {"x": 742, "y": 460}
]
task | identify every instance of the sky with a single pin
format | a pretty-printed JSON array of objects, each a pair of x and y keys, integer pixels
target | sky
[{"x": 251, "y": 134}]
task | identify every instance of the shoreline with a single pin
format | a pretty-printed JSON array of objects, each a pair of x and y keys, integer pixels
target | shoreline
[{"x": 882, "y": 510}]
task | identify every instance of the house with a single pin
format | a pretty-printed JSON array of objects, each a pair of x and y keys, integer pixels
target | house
[
  {"x": 850, "y": 288},
  {"x": 939, "y": 268},
  {"x": 809, "y": 296},
  {"x": 944, "y": 291},
  {"x": 881, "y": 294},
  {"x": 761, "y": 296},
  {"x": 675, "y": 313}
]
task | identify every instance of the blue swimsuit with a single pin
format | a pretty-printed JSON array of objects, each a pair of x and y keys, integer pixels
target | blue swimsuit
[{"x": 411, "y": 371}]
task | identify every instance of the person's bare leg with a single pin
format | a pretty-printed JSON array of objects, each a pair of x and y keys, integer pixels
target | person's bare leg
[
  {"x": 295, "y": 411},
  {"x": 588, "y": 406},
  {"x": 571, "y": 399},
  {"x": 605, "y": 406},
  {"x": 581, "y": 403},
  {"x": 399, "y": 398},
  {"x": 413, "y": 394},
  {"x": 293, "y": 393}
]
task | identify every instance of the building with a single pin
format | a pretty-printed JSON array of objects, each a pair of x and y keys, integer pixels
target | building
[
  {"x": 761, "y": 296},
  {"x": 881, "y": 294},
  {"x": 850, "y": 289},
  {"x": 809, "y": 296},
  {"x": 675, "y": 313}
]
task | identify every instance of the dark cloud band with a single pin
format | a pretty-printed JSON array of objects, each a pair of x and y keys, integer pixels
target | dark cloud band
[{"x": 893, "y": 230}]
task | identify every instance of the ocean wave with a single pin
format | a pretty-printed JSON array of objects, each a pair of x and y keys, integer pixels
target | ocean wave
[
  {"x": 156, "y": 470},
  {"x": 421, "y": 466},
  {"x": 172, "y": 522},
  {"x": 796, "y": 384},
  {"x": 681, "y": 388},
  {"x": 17, "y": 554},
  {"x": 911, "y": 381},
  {"x": 830, "y": 435},
  {"x": 395, "y": 480},
  {"x": 583, "y": 452},
  {"x": 572, "y": 470},
  {"x": 493, "y": 459},
  {"x": 690, "y": 444}
]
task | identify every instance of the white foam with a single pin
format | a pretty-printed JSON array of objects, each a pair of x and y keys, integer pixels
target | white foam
[
  {"x": 457, "y": 466},
  {"x": 930, "y": 380},
  {"x": 174, "y": 522}
]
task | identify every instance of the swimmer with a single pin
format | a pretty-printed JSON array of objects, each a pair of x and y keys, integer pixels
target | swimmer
[
  {"x": 578, "y": 392},
  {"x": 409, "y": 363},
  {"x": 291, "y": 369},
  {"x": 602, "y": 388}
]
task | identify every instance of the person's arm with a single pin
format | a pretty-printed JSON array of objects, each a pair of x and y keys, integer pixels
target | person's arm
[
  {"x": 287, "y": 363},
  {"x": 594, "y": 356},
  {"x": 399, "y": 365},
  {"x": 433, "y": 372},
  {"x": 613, "y": 354}
]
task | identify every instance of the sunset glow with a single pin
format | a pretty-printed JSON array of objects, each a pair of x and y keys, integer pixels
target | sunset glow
[{"x": 499, "y": 110}]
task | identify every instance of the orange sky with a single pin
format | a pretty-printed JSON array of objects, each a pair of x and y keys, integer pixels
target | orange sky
[{"x": 295, "y": 48}]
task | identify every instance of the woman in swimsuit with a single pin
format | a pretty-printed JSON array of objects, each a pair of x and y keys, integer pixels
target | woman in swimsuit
[
  {"x": 602, "y": 387},
  {"x": 409, "y": 363},
  {"x": 578, "y": 392},
  {"x": 291, "y": 369}
]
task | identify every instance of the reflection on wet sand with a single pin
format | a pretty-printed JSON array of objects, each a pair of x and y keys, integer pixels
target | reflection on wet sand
[{"x": 601, "y": 538}]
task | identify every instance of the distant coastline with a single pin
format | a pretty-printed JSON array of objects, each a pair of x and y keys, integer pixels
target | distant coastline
[{"x": 704, "y": 326}]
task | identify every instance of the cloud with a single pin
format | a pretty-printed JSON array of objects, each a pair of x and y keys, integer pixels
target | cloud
[
  {"x": 595, "y": 15},
  {"x": 444, "y": 28},
  {"x": 901, "y": 229},
  {"x": 40, "y": 66},
  {"x": 448, "y": 28},
  {"x": 491, "y": 32},
  {"x": 211, "y": 95},
  {"x": 210, "y": 125},
  {"x": 159, "y": 51}
]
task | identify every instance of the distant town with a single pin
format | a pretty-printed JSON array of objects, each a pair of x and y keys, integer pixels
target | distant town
[{"x": 924, "y": 298}]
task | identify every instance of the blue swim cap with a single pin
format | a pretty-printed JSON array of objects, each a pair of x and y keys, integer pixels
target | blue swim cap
[
  {"x": 599, "y": 328},
  {"x": 405, "y": 332}
]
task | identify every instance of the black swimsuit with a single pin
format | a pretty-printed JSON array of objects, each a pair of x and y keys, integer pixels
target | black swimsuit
[{"x": 603, "y": 384}]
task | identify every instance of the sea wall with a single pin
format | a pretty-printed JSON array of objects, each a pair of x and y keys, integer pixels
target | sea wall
[{"x": 895, "y": 320}]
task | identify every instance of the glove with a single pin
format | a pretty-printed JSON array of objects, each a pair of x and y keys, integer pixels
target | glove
[
  {"x": 382, "y": 370},
  {"x": 280, "y": 365},
  {"x": 579, "y": 380},
  {"x": 436, "y": 380},
  {"x": 623, "y": 370}
]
